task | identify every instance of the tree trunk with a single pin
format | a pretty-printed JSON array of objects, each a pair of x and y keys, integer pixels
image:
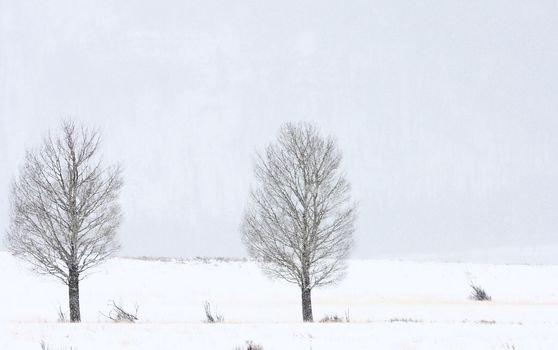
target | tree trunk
[
  {"x": 73, "y": 291},
  {"x": 307, "y": 305}
]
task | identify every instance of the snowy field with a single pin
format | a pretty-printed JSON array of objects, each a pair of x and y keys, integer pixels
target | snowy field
[{"x": 391, "y": 304}]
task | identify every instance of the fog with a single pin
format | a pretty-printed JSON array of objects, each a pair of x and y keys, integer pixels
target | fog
[{"x": 445, "y": 111}]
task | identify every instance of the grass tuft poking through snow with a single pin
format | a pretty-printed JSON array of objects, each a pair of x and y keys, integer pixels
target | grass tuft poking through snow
[
  {"x": 479, "y": 293},
  {"x": 250, "y": 345},
  {"x": 119, "y": 314},
  {"x": 46, "y": 346},
  {"x": 212, "y": 317}
]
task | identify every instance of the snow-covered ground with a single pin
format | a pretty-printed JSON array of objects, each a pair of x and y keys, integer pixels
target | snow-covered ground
[{"x": 392, "y": 305}]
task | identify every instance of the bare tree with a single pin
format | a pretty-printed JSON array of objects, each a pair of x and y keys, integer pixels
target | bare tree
[
  {"x": 300, "y": 220},
  {"x": 64, "y": 210}
]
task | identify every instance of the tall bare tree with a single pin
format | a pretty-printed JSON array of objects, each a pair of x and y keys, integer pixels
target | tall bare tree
[
  {"x": 64, "y": 210},
  {"x": 300, "y": 219}
]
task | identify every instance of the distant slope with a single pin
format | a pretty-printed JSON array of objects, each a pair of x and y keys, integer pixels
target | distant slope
[{"x": 529, "y": 255}]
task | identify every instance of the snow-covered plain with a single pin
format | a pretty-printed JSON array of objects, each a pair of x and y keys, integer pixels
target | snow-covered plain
[{"x": 392, "y": 305}]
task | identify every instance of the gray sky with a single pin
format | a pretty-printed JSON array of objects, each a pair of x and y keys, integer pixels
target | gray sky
[{"x": 446, "y": 111}]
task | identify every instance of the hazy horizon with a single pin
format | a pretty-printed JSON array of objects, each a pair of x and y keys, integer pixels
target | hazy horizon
[{"x": 445, "y": 112}]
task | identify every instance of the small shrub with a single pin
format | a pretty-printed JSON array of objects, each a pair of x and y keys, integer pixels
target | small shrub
[
  {"x": 250, "y": 345},
  {"x": 46, "y": 346},
  {"x": 406, "y": 320},
  {"x": 479, "y": 293},
  {"x": 334, "y": 318},
  {"x": 211, "y": 317},
  {"x": 119, "y": 314},
  {"x": 331, "y": 319}
]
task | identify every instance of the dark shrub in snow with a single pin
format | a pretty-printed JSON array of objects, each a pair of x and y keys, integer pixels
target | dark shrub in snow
[{"x": 479, "y": 293}]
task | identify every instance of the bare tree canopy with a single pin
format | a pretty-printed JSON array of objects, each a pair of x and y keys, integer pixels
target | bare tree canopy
[
  {"x": 64, "y": 210},
  {"x": 300, "y": 219}
]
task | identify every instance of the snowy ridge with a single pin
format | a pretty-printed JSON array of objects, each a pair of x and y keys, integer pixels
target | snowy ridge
[{"x": 530, "y": 255}]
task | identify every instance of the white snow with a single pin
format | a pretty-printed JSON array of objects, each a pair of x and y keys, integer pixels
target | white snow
[{"x": 392, "y": 305}]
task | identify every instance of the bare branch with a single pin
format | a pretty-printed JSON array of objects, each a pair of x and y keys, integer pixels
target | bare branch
[
  {"x": 300, "y": 219},
  {"x": 64, "y": 210}
]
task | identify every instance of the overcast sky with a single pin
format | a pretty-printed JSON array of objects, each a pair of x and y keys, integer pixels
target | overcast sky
[{"x": 446, "y": 111}]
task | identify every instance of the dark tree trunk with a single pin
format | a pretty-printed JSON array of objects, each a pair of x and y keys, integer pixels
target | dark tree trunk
[
  {"x": 307, "y": 305},
  {"x": 73, "y": 291}
]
